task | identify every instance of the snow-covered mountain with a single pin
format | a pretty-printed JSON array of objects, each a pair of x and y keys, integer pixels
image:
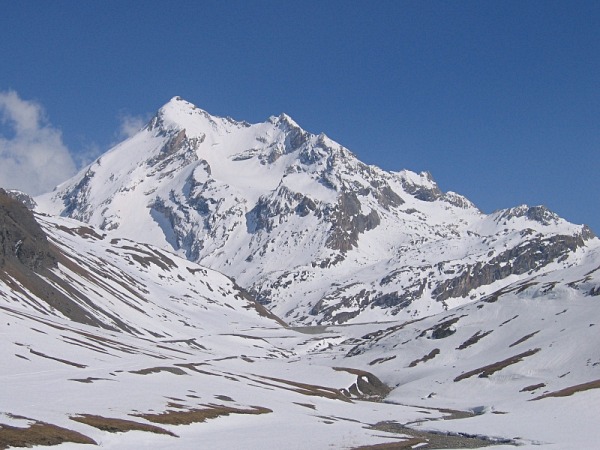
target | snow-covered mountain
[
  {"x": 129, "y": 313},
  {"x": 303, "y": 225},
  {"x": 117, "y": 343}
]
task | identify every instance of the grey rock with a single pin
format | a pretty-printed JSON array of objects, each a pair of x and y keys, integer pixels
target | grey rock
[
  {"x": 529, "y": 256},
  {"x": 22, "y": 241}
]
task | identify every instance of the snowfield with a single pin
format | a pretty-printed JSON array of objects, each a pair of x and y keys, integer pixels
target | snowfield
[{"x": 179, "y": 357}]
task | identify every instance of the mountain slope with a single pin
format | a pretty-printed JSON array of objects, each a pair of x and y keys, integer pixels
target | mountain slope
[
  {"x": 121, "y": 344},
  {"x": 302, "y": 224},
  {"x": 62, "y": 268}
]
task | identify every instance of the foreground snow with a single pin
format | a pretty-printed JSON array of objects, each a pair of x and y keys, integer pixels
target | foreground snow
[{"x": 520, "y": 366}]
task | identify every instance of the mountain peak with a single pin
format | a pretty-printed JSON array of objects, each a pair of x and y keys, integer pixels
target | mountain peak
[
  {"x": 177, "y": 106},
  {"x": 176, "y": 99},
  {"x": 178, "y": 114},
  {"x": 284, "y": 121},
  {"x": 284, "y": 118},
  {"x": 282, "y": 210}
]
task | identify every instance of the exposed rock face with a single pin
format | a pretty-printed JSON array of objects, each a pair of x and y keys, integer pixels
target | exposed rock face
[
  {"x": 24, "y": 198},
  {"x": 587, "y": 233},
  {"x": 347, "y": 222},
  {"x": 539, "y": 214},
  {"x": 177, "y": 152},
  {"x": 529, "y": 257},
  {"x": 271, "y": 210},
  {"x": 21, "y": 238},
  {"x": 423, "y": 192},
  {"x": 76, "y": 201}
]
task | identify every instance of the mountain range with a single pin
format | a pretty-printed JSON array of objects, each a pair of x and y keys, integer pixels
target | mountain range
[
  {"x": 308, "y": 229},
  {"x": 209, "y": 282}
]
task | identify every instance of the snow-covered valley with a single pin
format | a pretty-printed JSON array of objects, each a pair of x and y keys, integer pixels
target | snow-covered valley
[{"x": 188, "y": 363}]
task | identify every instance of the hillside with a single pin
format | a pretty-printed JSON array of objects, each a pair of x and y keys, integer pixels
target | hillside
[{"x": 111, "y": 342}]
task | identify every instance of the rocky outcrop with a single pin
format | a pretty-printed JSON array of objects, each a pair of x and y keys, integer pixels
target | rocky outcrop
[
  {"x": 26, "y": 257},
  {"x": 177, "y": 152},
  {"x": 272, "y": 210},
  {"x": 539, "y": 214},
  {"x": 426, "y": 192},
  {"x": 529, "y": 256},
  {"x": 22, "y": 241},
  {"x": 347, "y": 222},
  {"x": 24, "y": 198},
  {"x": 75, "y": 201}
]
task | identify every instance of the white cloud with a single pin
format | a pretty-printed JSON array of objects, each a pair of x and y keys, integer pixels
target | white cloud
[
  {"x": 33, "y": 158},
  {"x": 87, "y": 154},
  {"x": 130, "y": 125}
]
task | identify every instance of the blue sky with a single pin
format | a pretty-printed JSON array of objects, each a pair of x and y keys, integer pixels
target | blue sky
[{"x": 500, "y": 100}]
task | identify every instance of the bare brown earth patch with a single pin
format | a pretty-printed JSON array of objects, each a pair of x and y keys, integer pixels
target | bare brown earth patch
[
  {"x": 432, "y": 354},
  {"x": 473, "y": 340},
  {"x": 374, "y": 337},
  {"x": 113, "y": 425},
  {"x": 382, "y": 360},
  {"x": 571, "y": 390},
  {"x": 84, "y": 344},
  {"x": 304, "y": 388},
  {"x": 150, "y": 256},
  {"x": 488, "y": 370},
  {"x": 533, "y": 387},
  {"x": 524, "y": 338},
  {"x": 306, "y": 405},
  {"x": 200, "y": 415},
  {"x": 245, "y": 336},
  {"x": 176, "y": 405},
  {"x": 443, "y": 329},
  {"x": 64, "y": 361},
  {"x": 173, "y": 370},
  {"x": 90, "y": 379},
  {"x": 409, "y": 443},
  {"x": 507, "y": 321},
  {"x": 194, "y": 367},
  {"x": 83, "y": 231},
  {"x": 39, "y": 433},
  {"x": 260, "y": 309}
]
